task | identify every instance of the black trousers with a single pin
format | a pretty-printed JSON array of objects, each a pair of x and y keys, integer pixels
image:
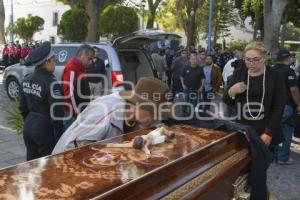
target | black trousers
[
  {"x": 38, "y": 136},
  {"x": 176, "y": 87}
]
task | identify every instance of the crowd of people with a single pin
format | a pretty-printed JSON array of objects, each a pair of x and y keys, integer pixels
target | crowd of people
[{"x": 12, "y": 53}]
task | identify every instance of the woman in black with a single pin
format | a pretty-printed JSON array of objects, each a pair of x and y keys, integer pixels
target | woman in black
[
  {"x": 41, "y": 104},
  {"x": 259, "y": 94}
]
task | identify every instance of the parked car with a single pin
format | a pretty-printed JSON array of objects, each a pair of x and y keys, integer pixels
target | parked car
[{"x": 125, "y": 59}]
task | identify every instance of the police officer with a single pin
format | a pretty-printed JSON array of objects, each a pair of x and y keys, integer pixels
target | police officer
[
  {"x": 41, "y": 104},
  {"x": 292, "y": 104}
]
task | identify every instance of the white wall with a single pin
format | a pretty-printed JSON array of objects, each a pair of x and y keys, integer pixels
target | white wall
[
  {"x": 41, "y": 8},
  {"x": 236, "y": 33}
]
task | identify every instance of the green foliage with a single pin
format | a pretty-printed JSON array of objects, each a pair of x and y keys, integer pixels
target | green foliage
[
  {"x": 292, "y": 11},
  {"x": 177, "y": 15},
  {"x": 26, "y": 27},
  {"x": 224, "y": 16},
  {"x": 290, "y": 32},
  {"x": 287, "y": 46},
  {"x": 8, "y": 29},
  {"x": 271, "y": 62},
  {"x": 118, "y": 21},
  {"x": 73, "y": 25},
  {"x": 237, "y": 45},
  {"x": 167, "y": 18},
  {"x": 15, "y": 118},
  {"x": 253, "y": 9}
]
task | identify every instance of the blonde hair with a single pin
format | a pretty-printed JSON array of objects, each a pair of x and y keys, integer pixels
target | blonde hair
[{"x": 257, "y": 46}]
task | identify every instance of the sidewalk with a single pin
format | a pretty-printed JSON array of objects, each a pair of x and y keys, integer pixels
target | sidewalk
[{"x": 12, "y": 148}]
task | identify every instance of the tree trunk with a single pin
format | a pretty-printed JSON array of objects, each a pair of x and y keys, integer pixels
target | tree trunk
[
  {"x": 152, "y": 6},
  {"x": 255, "y": 32},
  {"x": 93, "y": 9},
  {"x": 180, "y": 15},
  {"x": 190, "y": 27},
  {"x": 283, "y": 28},
  {"x": 273, "y": 11},
  {"x": 151, "y": 18},
  {"x": 2, "y": 19},
  {"x": 216, "y": 35}
]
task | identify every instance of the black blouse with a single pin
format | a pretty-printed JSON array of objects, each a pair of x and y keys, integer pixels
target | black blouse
[{"x": 273, "y": 105}]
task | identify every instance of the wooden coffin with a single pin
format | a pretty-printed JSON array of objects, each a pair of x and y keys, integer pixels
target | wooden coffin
[{"x": 197, "y": 164}]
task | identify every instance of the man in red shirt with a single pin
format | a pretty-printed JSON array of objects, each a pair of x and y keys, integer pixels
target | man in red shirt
[
  {"x": 24, "y": 51},
  {"x": 13, "y": 53},
  {"x": 75, "y": 84},
  {"x": 5, "y": 56}
]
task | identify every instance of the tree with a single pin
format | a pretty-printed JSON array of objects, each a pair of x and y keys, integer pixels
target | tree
[
  {"x": 292, "y": 11},
  {"x": 253, "y": 9},
  {"x": 2, "y": 19},
  {"x": 93, "y": 9},
  {"x": 290, "y": 32},
  {"x": 186, "y": 12},
  {"x": 73, "y": 25},
  {"x": 273, "y": 12},
  {"x": 118, "y": 20},
  {"x": 290, "y": 21},
  {"x": 152, "y": 5},
  {"x": 167, "y": 18},
  {"x": 237, "y": 45},
  {"x": 26, "y": 27},
  {"x": 224, "y": 16}
]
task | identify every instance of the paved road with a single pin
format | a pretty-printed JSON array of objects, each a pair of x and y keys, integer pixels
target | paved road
[{"x": 283, "y": 181}]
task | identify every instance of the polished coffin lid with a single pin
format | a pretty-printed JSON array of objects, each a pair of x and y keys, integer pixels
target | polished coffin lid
[{"x": 96, "y": 171}]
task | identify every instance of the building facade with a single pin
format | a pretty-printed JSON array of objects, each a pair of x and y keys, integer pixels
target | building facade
[{"x": 50, "y": 10}]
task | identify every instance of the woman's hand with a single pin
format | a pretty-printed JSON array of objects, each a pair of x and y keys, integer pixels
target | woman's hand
[
  {"x": 266, "y": 139},
  {"x": 237, "y": 88}
]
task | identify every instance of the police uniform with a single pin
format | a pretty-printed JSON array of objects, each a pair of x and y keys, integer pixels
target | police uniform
[{"x": 41, "y": 105}]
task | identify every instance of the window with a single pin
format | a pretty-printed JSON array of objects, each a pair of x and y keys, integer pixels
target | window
[
  {"x": 52, "y": 39},
  {"x": 64, "y": 54},
  {"x": 55, "y": 19}
]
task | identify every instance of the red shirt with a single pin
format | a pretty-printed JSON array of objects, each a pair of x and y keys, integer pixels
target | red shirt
[
  {"x": 13, "y": 50},
  {"x": 5, "y": 51},
  {"x": 18, "y": 51},
  {"x": 73, "y": 74},
  {"x": 24, "y": 52}
]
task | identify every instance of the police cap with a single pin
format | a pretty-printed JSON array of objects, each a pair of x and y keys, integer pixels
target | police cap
[
  {"x": 39, "y": 55},
  {"x": 283, "y": 54}
]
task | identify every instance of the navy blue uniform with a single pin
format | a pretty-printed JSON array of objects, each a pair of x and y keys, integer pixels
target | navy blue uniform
[{"x": 43, "y": 124}]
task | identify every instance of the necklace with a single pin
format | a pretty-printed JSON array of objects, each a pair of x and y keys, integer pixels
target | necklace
[
  {"x": 128, "y": 124},
  {"x": 263, "y": 95}
]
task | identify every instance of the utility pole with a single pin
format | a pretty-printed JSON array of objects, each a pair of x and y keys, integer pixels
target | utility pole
[
  {"x": 209, "y": 26},
  {"x": 12, "y": 21}
]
